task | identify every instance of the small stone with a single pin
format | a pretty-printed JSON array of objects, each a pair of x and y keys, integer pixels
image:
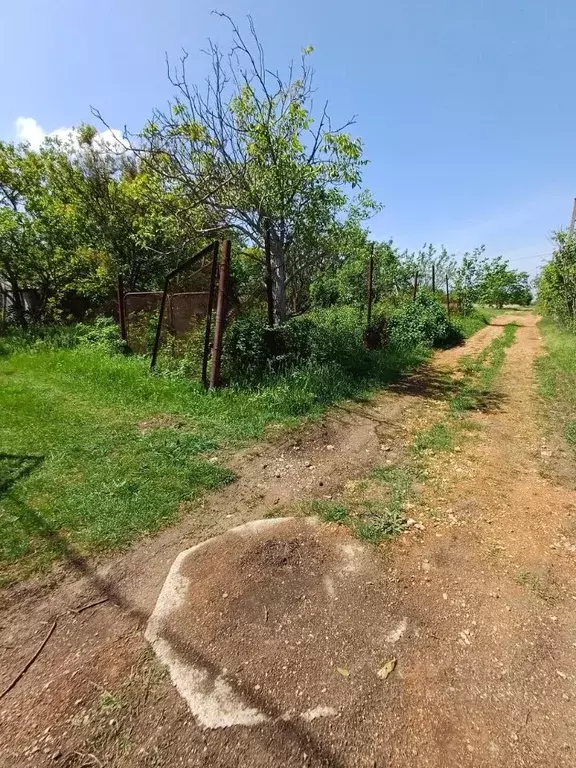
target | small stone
[
  {"x": 213, "y": 459},
  {"x": 444, "y": 596},
  {"x": 264, "y": 465},
  {"x": 410, "y": 522},
  {"x": 386, "y": 448},
  {"x": 308, "y": 464},
  {"x": 329, "y": 447},
  {"x": 561, "y": 674},
  {"x": 225, "y": 595},
  {"x": 278, "y": 474},
  {"x": 419, "y": 527},
  {"x": 514, "y": 736}
]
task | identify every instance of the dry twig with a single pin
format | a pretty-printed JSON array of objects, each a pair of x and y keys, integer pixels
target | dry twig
[{"x": 30, "y": 661}]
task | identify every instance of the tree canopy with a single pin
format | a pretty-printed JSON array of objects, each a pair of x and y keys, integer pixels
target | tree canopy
[{"x": 246, "y": 156}]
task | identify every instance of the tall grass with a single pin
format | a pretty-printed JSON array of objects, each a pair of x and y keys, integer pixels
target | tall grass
[{"x": 556, "y": 371}]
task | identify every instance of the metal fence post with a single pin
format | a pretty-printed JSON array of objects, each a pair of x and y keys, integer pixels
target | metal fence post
[
  {"x": 447, "y": 297},
  {"x": 220, "y": 314},
  {"x": 415, "y": 287},
  {"x": 433, "y": 278},
  {"x": 269, "y": 292},
  {"x": 159, "y": 324},
  {"x": 206, "y": 354},
  {"x": 122, "y": 308}
]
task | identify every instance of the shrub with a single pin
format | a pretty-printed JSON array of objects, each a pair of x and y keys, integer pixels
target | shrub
[
  {"x": 338, "y": 337},
  {"x": 253, "y": 350},
  {"x": 423, "y": 321},
  {"x": 102, "y": 333},
  {"x": 334, "y": 339}
]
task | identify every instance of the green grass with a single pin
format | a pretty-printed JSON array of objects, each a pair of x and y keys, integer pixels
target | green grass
[
  {"x": 329, "y": 511},
  {"x": 556, "y": 371},
  {"x": 371, "y": 518},
  {"x": 474, "y": 390},
  {"x": 437, "y": 438},
  {"x": 480, "y": 317},
  {"x": 472, "y": 323},
  {"x": 78, "y": 474}
]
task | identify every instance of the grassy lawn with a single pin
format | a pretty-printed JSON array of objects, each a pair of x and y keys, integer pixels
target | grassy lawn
[
  {"x": 557, "y": 377},
  {"x": 95, "y": 452}
]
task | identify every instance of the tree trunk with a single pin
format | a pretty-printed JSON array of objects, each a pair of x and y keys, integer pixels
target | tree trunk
[
  {"x": 18, "y": 308},
  {"x": 277, "y": 249}
]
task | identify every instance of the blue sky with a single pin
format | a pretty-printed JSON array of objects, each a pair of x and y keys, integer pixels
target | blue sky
[{"x": 465, "y": 106}]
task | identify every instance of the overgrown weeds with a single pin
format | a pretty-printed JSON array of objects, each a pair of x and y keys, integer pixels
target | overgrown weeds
[{"x": 373, "y": 516}]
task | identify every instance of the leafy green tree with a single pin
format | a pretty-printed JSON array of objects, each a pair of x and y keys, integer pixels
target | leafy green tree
[
  {"x": 430, "y": 264},
  {"x": 74, "y": 215},
  {"x": 557, "y": 281},
  {"x": 499, "y": 285},
  {"x": 247, "y": 149},
  {"x": 38, "y": 230}
]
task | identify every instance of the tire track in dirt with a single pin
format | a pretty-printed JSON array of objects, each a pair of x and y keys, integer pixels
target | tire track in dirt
[
  {"x": 492, "y": 590},
  {"x": 95, "y": 651},
  {"x": 449, "y": 357}
]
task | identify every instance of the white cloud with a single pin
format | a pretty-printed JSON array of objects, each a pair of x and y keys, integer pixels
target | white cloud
[{"x": 28, "y": 130}]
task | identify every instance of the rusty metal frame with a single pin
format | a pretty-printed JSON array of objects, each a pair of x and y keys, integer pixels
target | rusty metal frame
[
  {"x": 122, "y": 308},
  {"x": 213, "y": 249},
  {"x": 221, "y": 309}
]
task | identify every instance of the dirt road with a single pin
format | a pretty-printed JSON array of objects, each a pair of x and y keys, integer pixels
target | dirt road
[{"x": 485, "y": 596}]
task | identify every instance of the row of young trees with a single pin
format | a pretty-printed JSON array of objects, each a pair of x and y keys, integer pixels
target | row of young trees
[
  {"x": 244, "y": 157},
  {"x": 473, "y": 279}
]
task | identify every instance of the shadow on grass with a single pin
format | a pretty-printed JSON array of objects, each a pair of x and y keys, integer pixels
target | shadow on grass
[{"x": 15, "y": 467}]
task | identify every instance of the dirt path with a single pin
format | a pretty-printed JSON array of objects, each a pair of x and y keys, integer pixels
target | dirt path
[{"x": 487, "y": 595}]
